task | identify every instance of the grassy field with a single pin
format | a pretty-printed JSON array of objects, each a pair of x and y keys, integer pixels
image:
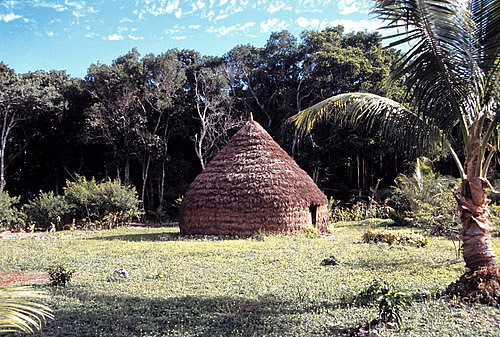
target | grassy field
[{"x": 270, "y": 286}]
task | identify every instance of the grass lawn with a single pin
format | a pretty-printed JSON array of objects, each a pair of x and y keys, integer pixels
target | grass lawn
[{"x": 271, "y": 286}]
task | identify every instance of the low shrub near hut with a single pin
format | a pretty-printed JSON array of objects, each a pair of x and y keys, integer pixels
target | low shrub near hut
[
  {"x": 48, "y": 210},
  {"x": 11, "y": 218},
  {"x": 86, "y": 203},
  {"x": 390, "y": 238},
  {"x": 357, "y": 211},
  {"x": 101, "y": 204}
]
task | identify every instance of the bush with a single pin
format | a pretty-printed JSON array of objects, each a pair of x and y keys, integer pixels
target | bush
[
  {"x": 10, "y": 217},
  {"x": 106, "y": 203},
  {"x": 48, "y": 210},
  {"x": 60, "y": 275},
  {"x": 389, "y": 300},
  {"x": 392, "y": 238},
  {"x": 356, "y": 212},
  {"x": 425, "y": 199}
]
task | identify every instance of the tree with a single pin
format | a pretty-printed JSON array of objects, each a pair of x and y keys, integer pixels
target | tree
[
  {"x": 118, "y": 113},
  {"x": 213, "y": 105},
  {"x": 22, "y": 99},
  {"x": 452, "y": 81},
  {"x": 164, "y": 76}
]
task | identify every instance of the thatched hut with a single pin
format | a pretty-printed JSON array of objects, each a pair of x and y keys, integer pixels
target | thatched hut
[{"x": 252, "y": 185}]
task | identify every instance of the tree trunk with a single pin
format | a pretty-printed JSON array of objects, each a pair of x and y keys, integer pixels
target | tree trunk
[
  {"x": 126, "y": 174},
  {"x": 473, "y": 205}
]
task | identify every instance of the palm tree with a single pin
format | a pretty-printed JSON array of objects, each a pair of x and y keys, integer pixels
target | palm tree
[
  {"x": 19, "y": 314},
  {"x": 451, "y": 71}
]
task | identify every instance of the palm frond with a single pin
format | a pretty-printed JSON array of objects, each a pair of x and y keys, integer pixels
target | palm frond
[
  {"x": 410, "y": 132},
  {"x": 486, "y": 15},
  {"x": 19, "y": 313},
  {"x": 445, "y": 80}
]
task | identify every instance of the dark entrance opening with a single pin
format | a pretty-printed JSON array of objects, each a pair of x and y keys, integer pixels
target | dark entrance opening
[{"x": 313, "y": 210}]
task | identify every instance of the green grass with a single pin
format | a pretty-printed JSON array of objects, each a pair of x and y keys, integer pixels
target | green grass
[{"x": 242, "y": 287}]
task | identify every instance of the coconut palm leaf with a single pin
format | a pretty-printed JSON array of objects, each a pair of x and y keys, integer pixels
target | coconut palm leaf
[
  {"x": 444, "y": 79},
  {"x": 413, "y": 133},
  {"x": 19, "y": 313}
]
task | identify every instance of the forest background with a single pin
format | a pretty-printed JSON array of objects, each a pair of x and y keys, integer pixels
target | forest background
[{"x": 155, "y": 121}]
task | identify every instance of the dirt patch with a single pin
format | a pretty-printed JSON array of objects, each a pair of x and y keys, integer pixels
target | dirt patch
[
  {"x": 482, "y": 285},
  {"x": 23, "y": 277}
]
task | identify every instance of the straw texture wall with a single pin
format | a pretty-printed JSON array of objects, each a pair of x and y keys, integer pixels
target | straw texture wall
[{"x": 252, "y": 185}]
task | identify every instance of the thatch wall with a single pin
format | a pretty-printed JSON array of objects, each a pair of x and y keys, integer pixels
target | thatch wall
[{"x": 252, "y": 185}]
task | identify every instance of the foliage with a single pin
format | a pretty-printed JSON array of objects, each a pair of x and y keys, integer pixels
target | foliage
[
  {"x": 312, "y": 232},
  {"x": 356, "y": 212},
  {"x": 107, "y": 203},
  {"x": 10, "y": 217},
  {"x": 236, "y": 287},
  {"x": 388, "y": 299},
  {"x": 60, "y": 275},
  {"x": 426, "y": 199},
  {"x": 19, "y": 313},
  {"x": 48, "y": 210},
  {"x": 451, "y": 78},
  {"x": 390, "y": 238}
]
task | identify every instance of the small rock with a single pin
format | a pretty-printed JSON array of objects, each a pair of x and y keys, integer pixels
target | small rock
[{"x": 119, "y": 275}]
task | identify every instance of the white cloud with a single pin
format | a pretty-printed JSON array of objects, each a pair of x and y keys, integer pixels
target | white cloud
[
  {"x": 352, "y": 6},
  {"x": 114, "y": 37},
  {"x": 178, "y": 13},
  {"x": 198, "y": 5},
  {"x": 194, "y": 26},
  {"x": 123, "y": 20},
  {"x": 55, "y": 6},
  {"x": 178, "y": 37},
  {"x": 9, "y": 17},
  {"x": 277, "y": 6},
  {"x": 91, "y": 35},
  {"x": 50, "y": 33},
  {"x": 353, "y": 26},
  {"x": 247, "y": 25},
  {"x": 273, "y": 24},
  {"x": 225, "y": 30},
  {"x": 133, "y": 37},
  {"x": 10, "y": 3},
  {"x": 305, "y": 23},
  {"x": 221, "y": 16}
]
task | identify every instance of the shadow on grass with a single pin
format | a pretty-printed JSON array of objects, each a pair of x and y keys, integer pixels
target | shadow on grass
[
  {"x": 140, "y": 237},
  {"x": 165, "y": 237},
  {"x": 83, "y": 314}
]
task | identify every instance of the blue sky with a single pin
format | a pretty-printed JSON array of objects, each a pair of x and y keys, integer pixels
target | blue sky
[{"x": 71, "y": 34}]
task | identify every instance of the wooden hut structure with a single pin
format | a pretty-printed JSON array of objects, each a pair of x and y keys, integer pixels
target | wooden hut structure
[{"x": 252, "y": 185}]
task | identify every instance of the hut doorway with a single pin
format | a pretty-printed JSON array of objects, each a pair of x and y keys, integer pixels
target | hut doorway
[{"x": 313, "y": 213}]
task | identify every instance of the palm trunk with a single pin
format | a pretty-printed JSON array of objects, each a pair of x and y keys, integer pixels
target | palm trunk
[{"x": 473, "y": 205}]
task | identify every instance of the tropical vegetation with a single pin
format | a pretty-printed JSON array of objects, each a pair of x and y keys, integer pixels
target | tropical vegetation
[{"x": 451, "y": 73}]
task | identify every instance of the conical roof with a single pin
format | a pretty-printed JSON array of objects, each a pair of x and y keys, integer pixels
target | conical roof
[{"x": 252, "y": 173}]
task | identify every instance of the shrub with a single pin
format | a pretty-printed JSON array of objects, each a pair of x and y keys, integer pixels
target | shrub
[
  {"x": 48, "y": 210},
  {"x": 10, "y": 217},
  {"x": 392, "y": 238},
  {"x": 60, "y": 275},
  {"x": 106, "y": 203},
  {"x": 356, "y": 212},
  {"x": 389, "y": 300},
  {"x": 312, "y": 232},
  {"x": 425, "y": 199}
]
